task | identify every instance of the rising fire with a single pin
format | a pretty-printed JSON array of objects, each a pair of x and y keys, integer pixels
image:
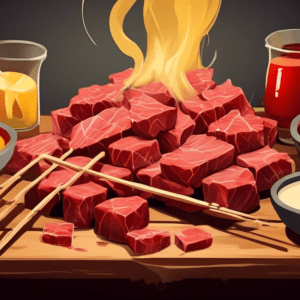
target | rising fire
[{"x": 175, "y": 29}]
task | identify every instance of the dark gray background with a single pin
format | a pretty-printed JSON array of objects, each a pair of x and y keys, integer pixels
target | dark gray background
[{"x": 74, "y": 61}]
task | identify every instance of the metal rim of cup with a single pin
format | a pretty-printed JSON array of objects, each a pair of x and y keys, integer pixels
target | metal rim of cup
[
  {"x": 12, "y": 134},
  {"x": 280, "y": 49},
  {"x": 43, "y": 56}
]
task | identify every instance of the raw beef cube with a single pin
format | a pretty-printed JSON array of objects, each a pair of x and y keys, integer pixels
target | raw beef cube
[
  {"x": 148, "y": 116},
  {"x": 51, "y": 182},
  {"x": 63, "y": 122},
  {"x": 44, "y": 165},
  {"x": 267, "y": 166},
  {"x": 119, "y": 78},
  {"x": 234, "y": 188},
  {"x": 193, "y": 239},
  {"x": 245, "y": 133},
  {"x": 201, "y": 79},
  {"x": 134, "y": 152},
  {"x": 145, "y": 241},
  {"x": 81, "y": 161},
  {"x": 173, "y": 139},
  {"x": 62, "y": 142},
  {"x": 119, "y": 116},
  {"x": 122, "y": 173},
  {"x": 36, "y": 194},
  {"x": 199, "y": 157},
  {"x": 28, "y": 149},
  {"x": 60, "y": 177},
  {"x": 202, "y": 112},
  {"x": 116, "y": 217},
  {"x": 199, "y": 75},
  {"x": 230, "y": 97},
  {"x": 159, "y": 92},
  {"x": 152, "y": 176},
  {"x": 92, "y": 100},
  {"x": 60, "y": 234},
  {"x": 201, "y": 87},
  {"x": 79, "y": 202},
  {"x": 97, "y": 133},
  {"x": 149, "y": 176},
  {"x": 270, "y": 131}
]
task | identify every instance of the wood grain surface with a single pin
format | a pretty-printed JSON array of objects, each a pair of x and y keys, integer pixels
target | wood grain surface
[{"x": 238, "y": 250}]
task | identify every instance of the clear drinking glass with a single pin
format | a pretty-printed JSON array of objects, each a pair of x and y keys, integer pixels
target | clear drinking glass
[{"x": 20, "y": 65}]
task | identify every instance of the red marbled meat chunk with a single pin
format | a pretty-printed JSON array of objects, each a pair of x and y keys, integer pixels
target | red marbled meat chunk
[
  {"x": 230, "y": 97},
  {"x": 202, "y": 112},
  {"x": 201, "y": 79},
  {"x": 245, "y": 133},
  {"x": 122, "y": 173},
  {"x": 44, "y": 165},
  {"x": 159, "y": 92},
  {"x": 267, "y": 166},
  {"x": 116, "y": 217},
  {"x": 270, "y": 131},
  {"x": 79, "y": 202},
  {"x": 60, "y": 234},
  {"x": 63, "y": 122},
  {"x": 200, "y": 156},
  {"x": 145, "y": 241},
  {"x": 234, "y": 188},
  {"x": 193, "y": 239},
  {"x": 81, "y": 161},
  {"x": 28, "y": 149},
  {"x": 60, "y": 177},
  {"x": 174, "y": 138},
  {"x": 51, "y": 182},
  {"x": 96, "y": 133},
  {"x": 148, "y": 116},
  {"x": 134, "y": 152},
  {"x": 92, "y": 100},
  {"x": 151, "y": 176},
  {"x": 199, "y": 75},
  {"x": 119, "y": 78}
]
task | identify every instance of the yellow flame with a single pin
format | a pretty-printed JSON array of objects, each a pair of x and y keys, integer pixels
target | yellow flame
[
  {"x": 175, "y": 29},
  {"x": 126, "y": 45}
]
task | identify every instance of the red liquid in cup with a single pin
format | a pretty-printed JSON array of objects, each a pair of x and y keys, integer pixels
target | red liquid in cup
[{"x": 282, "y": 97}]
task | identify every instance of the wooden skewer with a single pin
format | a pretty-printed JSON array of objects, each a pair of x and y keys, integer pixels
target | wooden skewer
[
  {"x": 7, "y": 238},
  {"x": 220, "y": 211},
  {"x": 215, "y": 213},
  {"x": 18, "y": 197},
  {"x": 5, "y": 185},
  {"x": 8, "y": 183}
]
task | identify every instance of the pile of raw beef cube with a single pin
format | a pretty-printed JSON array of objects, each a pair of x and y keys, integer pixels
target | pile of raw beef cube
[{"x": 212, "y": 142}]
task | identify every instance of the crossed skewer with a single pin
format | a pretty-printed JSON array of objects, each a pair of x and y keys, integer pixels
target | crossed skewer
[{"x": 209, "y": 208}]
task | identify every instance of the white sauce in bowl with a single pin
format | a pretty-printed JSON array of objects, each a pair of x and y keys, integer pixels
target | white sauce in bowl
[{"x": 290, "y": 194}]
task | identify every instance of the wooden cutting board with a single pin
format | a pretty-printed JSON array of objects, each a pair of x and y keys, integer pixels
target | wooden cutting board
[{"x": 238, "y": 251}]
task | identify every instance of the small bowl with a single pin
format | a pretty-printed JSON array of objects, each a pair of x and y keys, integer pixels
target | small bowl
[
  {"x": 295, "y": 125},
  {"x": 10, "y": 137},
  {"x": 289, "y": 215}
]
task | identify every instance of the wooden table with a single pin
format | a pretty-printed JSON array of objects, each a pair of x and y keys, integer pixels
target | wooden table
[{"x": 237, "y": 250}]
